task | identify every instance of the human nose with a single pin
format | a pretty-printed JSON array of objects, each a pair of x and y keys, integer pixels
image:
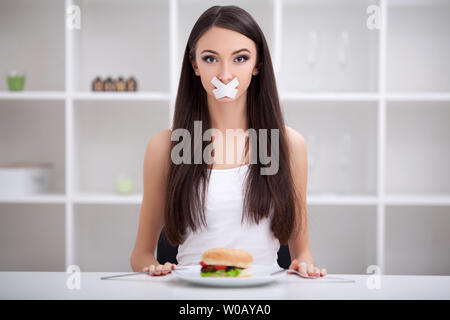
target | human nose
[{"x": 225, "y": 74}]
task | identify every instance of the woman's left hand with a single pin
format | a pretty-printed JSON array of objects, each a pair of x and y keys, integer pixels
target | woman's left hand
[{"x": 307, "y": 269}]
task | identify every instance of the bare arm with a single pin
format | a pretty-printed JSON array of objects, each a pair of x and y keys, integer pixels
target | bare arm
[
  {"x": 299, "y": 246},
  {"x": 151, "y": 218},
  {"x": 299, "y": 249}
]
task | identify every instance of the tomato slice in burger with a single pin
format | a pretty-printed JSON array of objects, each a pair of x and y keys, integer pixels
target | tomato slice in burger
[
  {"x": 218, "y": 267},
  {"x": 203, "y": 264}
]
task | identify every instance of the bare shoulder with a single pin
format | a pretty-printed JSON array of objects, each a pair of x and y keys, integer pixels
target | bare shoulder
[
  {"x": 296, "y": 140},
  {"x": 161, "y": 139},
  {"x": 158, "y": 148}
]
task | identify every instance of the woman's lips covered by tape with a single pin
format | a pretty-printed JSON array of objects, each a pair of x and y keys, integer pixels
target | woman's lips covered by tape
[{"x": 225, "y": 90}]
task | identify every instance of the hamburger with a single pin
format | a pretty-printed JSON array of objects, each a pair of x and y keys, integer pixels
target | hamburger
[{"x": 225, "y": 262}]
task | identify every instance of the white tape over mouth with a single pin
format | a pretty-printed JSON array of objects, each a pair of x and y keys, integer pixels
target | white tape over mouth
[{"x": 225, "y": 90}]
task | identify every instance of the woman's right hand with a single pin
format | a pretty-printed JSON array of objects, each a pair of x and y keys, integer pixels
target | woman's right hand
[{"x": 159, "y": 269}]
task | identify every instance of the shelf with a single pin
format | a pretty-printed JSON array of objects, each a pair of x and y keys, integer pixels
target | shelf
[
  {"x": 417, "y": 239},
  {"x": 312, "y": 199},
  {"x": 416, "y": 3},
  {"x": 328, "y": 96},
  {"x": 334, "y": 199},
  {"x": 107, "y": 198},
  {"x": 127, "y": 96},
  {"x": 165, "y": 96},
  {"x": 37, "y": 198},
  {"x": 49, "y": 95},
  {"x": 418, "y": 200},
  {"x": 326, "y": 3},
  {"x": 32, "y": 95},
  {"x": 327, "y": 199},
  {"x": 422, "y": 96}
]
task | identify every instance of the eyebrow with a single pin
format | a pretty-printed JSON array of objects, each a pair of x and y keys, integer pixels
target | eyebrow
[{"x": 212, "y": 51}]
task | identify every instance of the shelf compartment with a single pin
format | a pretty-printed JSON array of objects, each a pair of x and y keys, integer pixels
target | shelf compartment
[
  {"x": 105, "y": 236},
  {"x": 417, "y": 240},
  {"x": 34, "y": 131},
  {"x": 418, "y": 46},
  {"x": 329, "y": 49},
  {"x": 343, "y": 239},
  {"x": 116, "y": 38},
  {"x": 32, "y": 237},
  {"x": 341, "y": 139},
  {"x": 117, "y": 145},
  {"x": 416, "y": 157},
  {"x": 33, "y": 43}
]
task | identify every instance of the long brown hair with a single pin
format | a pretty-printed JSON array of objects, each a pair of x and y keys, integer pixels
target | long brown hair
[{"x": 186, "y": 187}]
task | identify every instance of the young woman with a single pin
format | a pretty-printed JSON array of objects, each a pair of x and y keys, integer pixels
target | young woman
[{"x": 240, "y": 207}]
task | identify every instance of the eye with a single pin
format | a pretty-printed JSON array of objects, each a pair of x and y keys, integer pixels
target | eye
[
  {"x": 242, "y": 59},
  {"x": 206, "y": 59}
]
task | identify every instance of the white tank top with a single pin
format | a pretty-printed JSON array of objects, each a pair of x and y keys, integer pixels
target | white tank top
[{"x": 223, "y": 213}]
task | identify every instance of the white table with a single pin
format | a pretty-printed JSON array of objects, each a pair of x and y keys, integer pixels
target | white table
[{"x": 53, "y": 285}]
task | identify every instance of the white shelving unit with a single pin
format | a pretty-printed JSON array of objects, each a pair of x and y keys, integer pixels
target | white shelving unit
[{"x": 385, "y": 97}]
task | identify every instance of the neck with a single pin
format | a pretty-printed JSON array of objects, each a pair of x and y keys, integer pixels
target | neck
[{"x": 228, "y": 114}]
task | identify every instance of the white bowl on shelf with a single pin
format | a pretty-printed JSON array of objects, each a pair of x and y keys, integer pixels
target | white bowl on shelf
[{"x": 25, "y": 178}]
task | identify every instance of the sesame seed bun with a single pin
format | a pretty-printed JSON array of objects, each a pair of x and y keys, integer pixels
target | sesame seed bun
[{"x": 228, "y": 257}]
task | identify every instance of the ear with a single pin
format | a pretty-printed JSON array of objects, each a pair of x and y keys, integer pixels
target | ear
[
  {"x": 197, "y": 73},
  {"x": 194, "y": 66},
  {"x": 256, "y": 69}
]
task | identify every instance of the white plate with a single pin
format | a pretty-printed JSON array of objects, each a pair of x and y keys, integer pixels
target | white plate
[{"x": 261, "y": 275}]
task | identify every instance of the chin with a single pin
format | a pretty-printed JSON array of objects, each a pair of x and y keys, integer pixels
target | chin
[{"x": 228, "y": 99}]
